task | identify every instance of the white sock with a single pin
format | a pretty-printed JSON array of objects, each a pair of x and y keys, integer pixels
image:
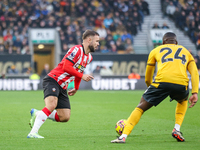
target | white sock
[
  {"x": 52, "y": 115},
  {"x": 123, "y": 136},
  {"x": 177, "y": 127},
  {"x": 37, "y": 112},
  {"x": 39, "y": 120}
]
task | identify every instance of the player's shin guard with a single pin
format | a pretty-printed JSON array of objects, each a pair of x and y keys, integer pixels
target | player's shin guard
[
  {"x": 133, "y": 120},
  {"x": 181, "y": 109}
]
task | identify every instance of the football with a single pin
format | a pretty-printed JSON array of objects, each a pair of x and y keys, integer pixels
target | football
[{"x": 120, "y": 126}]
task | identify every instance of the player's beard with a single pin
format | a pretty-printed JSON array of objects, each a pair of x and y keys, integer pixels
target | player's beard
[{"x": 91, "y": 47}]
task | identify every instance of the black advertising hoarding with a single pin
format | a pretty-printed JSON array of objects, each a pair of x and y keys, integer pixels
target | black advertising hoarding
[
  {"x": 19, "y": 81},
  {"x": 119, "y": 64},
  {"x": 113, "y": 83},
  {"x": 19, "y": 84},
  {"x": 20, "y": 62}
]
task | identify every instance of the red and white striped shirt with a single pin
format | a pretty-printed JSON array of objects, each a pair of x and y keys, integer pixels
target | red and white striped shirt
[{"x": 79, "y": 59}]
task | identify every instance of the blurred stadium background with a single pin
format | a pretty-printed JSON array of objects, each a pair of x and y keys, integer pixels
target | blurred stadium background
[{"x": 36, "y": 34}]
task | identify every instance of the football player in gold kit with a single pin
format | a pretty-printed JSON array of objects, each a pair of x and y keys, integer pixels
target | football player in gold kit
[{"x": 171, "y": 80}]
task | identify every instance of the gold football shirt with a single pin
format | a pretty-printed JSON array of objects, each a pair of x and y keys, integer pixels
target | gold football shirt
[{"x": 172, "y": 64}]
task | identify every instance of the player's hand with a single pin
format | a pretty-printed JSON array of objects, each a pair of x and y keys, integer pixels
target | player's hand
[
  {"x": 87, "y": 77},
  {"x": 72, "y": 92},
  {"x": 193, "y": 100}
]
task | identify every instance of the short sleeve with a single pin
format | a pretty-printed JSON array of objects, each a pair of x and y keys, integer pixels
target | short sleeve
[{"x": 73, "y": 54}]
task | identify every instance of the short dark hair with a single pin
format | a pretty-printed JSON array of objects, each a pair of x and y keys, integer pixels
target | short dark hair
[
  {"x": 89, "y": 33},
  {"x": 169, "y": 38}
]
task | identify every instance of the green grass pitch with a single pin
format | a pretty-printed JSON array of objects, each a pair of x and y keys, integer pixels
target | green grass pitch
[{"x": 92, "y": 123}]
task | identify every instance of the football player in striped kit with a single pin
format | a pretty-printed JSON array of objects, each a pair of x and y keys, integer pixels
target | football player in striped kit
[{"x": 71, "y": 68}]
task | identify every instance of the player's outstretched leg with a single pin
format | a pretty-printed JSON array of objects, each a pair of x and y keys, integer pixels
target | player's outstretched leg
[
  {"x": 33, "y": 116},
  {"x": 177, "y": 135}
]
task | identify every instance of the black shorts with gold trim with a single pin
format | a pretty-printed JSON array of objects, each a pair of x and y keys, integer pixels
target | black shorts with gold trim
[{"x": 157, "y": 92}]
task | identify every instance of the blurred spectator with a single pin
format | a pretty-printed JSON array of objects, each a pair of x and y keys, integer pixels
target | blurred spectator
[
  {"x": 3, "y": 75},
  {"x": 112, "y": 27},
  {"x": 2, "y": 49},
  {"x": 45, "y": 71},
  {"x": 190, "y": 18},
  {"x": 192, "y": 31},
  {"x": 128, "y": 43},
  {"x": 125, "y": 36},
  {"x": 106, "y": 71},
  {"x": 109, "y": 41},
  {"x": 25, "y": 50},
  {"x": 34, "y": 76},
  {"x": 8, "y": 39},
  {"x": 102, "y": 32},
  {"x": 198, "y": 42},
  {"x": 98, "y": 21},
  {"x": 181, "y": 21},
  {"x": 129, "y": 50},
  {"x": 120, "y": 45},
  {"x": 116, "y": 35},
  {"x": 19, "y": 26},
  {"x": 108, "y": 20},
  {"x": 65, "y": 47},
  {"x": 131, "y": 27},
  {"x": 17, "y": 43},
  {"x": 145, "y": 7},
  {"x": 165, "y": 26},
  {"x": 113, "y": 47},
  {"x": 116, "y": 18},
  {"x": 27, "y": 71},
  {"x": 120, "y": 27},
  {"x": 133, "y": 75},
  {"x": 176, "y": 14},
  {"x": 155, "y": 26},
  {"x": 123, "y": 7},
  {"x": 170, "y": 9},
  {"x": 104, "y": 49},
  {"x": 137, "y": 20},
  {"x": 13, "y": 70},
  {"x": 97, "y": 70}
]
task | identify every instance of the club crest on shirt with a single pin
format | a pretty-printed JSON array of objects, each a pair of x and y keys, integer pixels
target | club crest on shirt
[{"x": 53, "y": 89}]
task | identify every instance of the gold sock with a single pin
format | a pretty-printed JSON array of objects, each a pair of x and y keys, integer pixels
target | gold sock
[
  {"x": 133, "y": 120},
  {"x": 181, "y": 109}
]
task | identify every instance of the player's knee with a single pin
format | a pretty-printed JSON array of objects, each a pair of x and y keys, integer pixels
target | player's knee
[
  {"x": 51, "y": 102},
  {"x": 65, "y": 119}
]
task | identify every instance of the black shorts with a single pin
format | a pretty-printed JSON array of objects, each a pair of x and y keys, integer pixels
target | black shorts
[
  {"x": 156, "y": 94},
  {"x": 52, "y": 88}
]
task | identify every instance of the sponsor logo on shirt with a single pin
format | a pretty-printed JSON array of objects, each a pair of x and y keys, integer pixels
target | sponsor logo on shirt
[{"x": 80, "y": 67}]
